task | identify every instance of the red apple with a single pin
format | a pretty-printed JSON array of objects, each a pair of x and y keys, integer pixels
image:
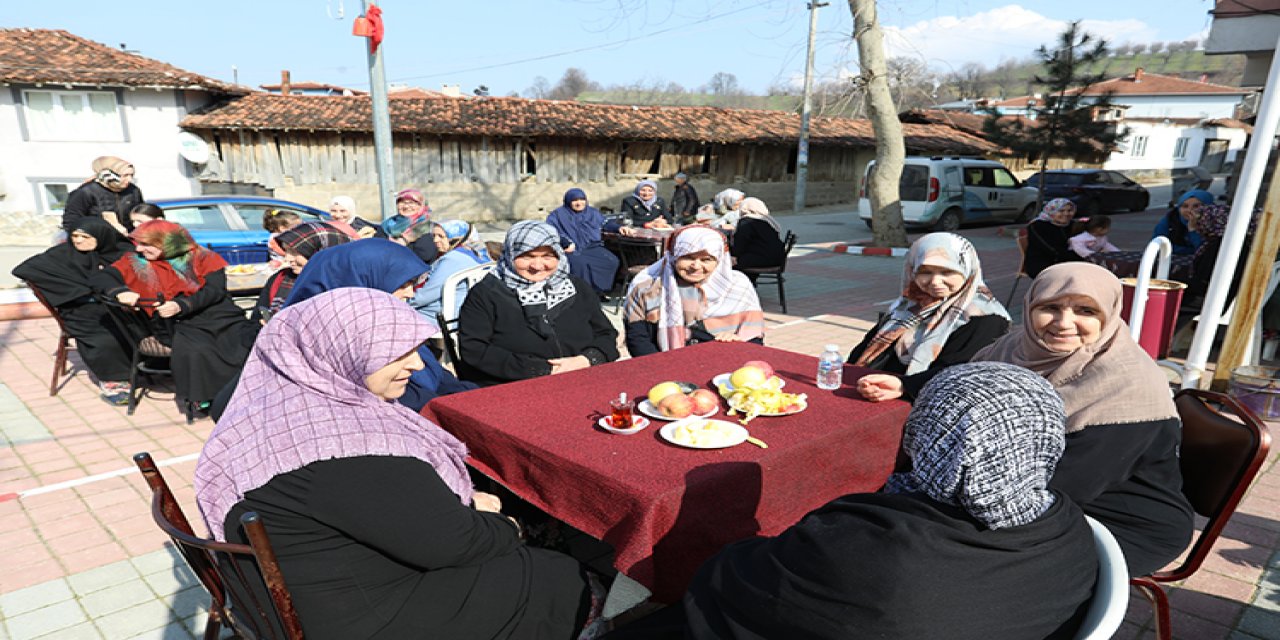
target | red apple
[
  {"x": 763, "y": 366},
  {"x": 676, "y": 405},
  {"x": 704, "y": 401}
]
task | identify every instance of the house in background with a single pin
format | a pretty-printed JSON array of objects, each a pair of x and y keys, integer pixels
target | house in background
[{"x": 64, "y": 101}]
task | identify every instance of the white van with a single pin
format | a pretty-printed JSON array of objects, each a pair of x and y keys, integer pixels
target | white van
[{"x": 945, "y": 192}]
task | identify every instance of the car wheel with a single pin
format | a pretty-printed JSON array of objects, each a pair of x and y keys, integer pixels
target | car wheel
[
  {"x": 1027, "y": 213},
  {"x": 1144, "y": 201},
  {"x": 950, "y": 221}
]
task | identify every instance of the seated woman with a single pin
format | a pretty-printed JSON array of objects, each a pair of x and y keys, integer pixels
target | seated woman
[
  {"x": 1049, "y": 237},
  {"x": 343, "y": 209},
  {"x": 1121, "y": 464},
  {"x": 971, "y": 543},
  {"x": 314, "y": 440},
  {"x": 728, "y": 205},
  {"x": 1210, "y": 223},
  {"x": 579, "y": 225},
  {"x": 944, "y": 316},
  {"x": 415, "y": 233},
  {"x": 459, "y": 249},
  {"x": 691, "y": 295},
  {"x": 757, "y": 241},
  {"x": 529, "y": 317},
  {"x": 1178, "y": 222},
  {"x": 210, "y": 333},
  {"x": 645, "y": 208},
  {"x": 61, "y": 274},
  {"x": 299, "y": 245}
]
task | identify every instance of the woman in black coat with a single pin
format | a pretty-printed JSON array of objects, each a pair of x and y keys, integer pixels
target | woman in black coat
[
  {"x": 1049, "y": 237},
  {"x": 644, "y": 207},
  {"x": 529, "y": 318},
  {"x": 757, "y": 240},
  {"x": 110, "y": 190}
]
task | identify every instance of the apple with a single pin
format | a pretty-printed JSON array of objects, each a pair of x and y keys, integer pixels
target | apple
[
  {"x": 763, "y": 366},
  {"x": 704, "y": 401},
  {"x": 676, "y": 405},
  {"x": 662, "y": 390},
  {"x": 748, "y": 377}
]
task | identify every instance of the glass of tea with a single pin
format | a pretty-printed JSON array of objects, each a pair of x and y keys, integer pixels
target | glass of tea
[{"x": 620, "y": 412}]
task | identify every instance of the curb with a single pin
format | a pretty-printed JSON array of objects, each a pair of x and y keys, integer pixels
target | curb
[{"x": 895, "y": 252}]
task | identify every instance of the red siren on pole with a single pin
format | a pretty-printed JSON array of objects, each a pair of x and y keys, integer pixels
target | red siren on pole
[
  {"x": 360, "y": 27},
  {"x": 369, "y": 26}
]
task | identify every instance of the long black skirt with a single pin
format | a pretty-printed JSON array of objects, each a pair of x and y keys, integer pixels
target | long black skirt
[
  {"x": 97, "y": 340},
  {"x": 209, "y": 349}
]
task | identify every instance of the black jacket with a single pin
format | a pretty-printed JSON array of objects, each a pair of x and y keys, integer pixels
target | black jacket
[
  {"x": 632, "y": 208},
  {"x": 961, "y": 346},
  {"x": 684, "y": 203},
  {"x": 91, "y": 199},
  {"x": 1047, "y": 245},
  {"x": 757, "y": 244},
  {"x": 499, "y": 343}
]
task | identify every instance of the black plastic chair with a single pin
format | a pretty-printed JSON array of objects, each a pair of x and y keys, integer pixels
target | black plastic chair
[
  {"x": 147, "y": 339},
  {"x": 775, "y": 275}
]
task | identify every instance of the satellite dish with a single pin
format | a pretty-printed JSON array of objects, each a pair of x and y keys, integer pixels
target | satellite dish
[{"x": 192, "y": 147}]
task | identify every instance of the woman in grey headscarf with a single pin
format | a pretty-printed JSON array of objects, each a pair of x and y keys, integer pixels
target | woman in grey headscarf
[
  {"x": 529, "y": 317},
  {"x": 970, "y": 543}
]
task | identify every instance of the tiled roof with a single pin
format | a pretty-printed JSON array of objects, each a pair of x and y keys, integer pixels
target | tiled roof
[
  {"x": 552, "y": 118},
  {"x": 1149, "y": 84},
  {"x": 311, "y": 86},
  {"x": 970, "y": 123},
  {"x": 39, "y": 56}
]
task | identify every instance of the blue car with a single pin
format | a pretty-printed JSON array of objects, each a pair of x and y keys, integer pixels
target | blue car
[{"x": 232, "y": 225}]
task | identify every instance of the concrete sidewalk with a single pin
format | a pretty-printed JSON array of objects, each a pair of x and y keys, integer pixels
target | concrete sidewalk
[{"x": 82, "y": 558}]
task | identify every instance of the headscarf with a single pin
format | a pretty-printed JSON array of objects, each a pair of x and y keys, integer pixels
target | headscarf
[
  {"x": 1211, "y": 224},
  {"x": 1201, "y": 195},
  {"x": 416, "y": 196},
  {"x": 302, "y": 399},
  {"x": 346, "y": 202},
  {"x": 181, "y": 269},
  {"x": 724, "y": 302},
  {"x": 578, "y": 194},
  {"x": 1051, "y": 208},
  {"x": 308, "y": 238},
  {"x": 107, "y": 171},
  {"x": 374, "y": 263},
  {"x": 581, "y": 228},
  {"x": 1111, "y": 381},
  {"x": 755, "y": 208},
  {"x": 112, "y": 245},
  {"x": 462, "y": 236},
  {"x": 918, "y": 325},
  {"x": 985, "y": 437},
  {"x": 726, "y": 199},
  {"x": 526, "y": 236},
  {"x": 648, "y": 204},
  {"x": 62, "y": 272}
]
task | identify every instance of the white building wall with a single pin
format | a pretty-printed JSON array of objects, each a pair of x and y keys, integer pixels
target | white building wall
[
  {"x": 1162, "y": 142},
  {"x": 1216, "y": 106}
]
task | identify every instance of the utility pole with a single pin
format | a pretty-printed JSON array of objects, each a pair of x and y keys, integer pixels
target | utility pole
[
  {"x": 802, "y": 154},
  {"x": 381, "y": 129}
]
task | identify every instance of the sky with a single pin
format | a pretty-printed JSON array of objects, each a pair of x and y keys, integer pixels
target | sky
[{"x": 506, "y": 44}]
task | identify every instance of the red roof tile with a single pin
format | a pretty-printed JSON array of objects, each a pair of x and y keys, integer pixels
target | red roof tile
[
  {"x": 491, "y": 116},
  {"x": 1151, "y": 84},
  {"x": 39, "y": 56},
  {"x": 970, "y": 123}
]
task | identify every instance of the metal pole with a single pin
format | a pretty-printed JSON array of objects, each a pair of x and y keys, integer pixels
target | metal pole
[
  {"x": 802, "y": 154},
  {"x": 381, "y": 130},
  {"x": 1255, "y": 164}
]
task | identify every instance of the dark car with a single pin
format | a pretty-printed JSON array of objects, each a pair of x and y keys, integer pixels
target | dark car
[
  {"x": 1093, "y": 190},
  {"x": 232, "y": 225}
]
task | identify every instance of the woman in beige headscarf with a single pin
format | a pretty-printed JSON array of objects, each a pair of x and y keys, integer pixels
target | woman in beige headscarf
[
  {"x": 1123, "y": 432},
  {"x": 110, "y": 195}
]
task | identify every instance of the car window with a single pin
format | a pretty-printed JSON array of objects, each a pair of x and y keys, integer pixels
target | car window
[
  {"x": 252, "y": 214},
  {"x": 913, "y": 186},
  {"x": 202, "y": 218},
  {"x": 976, "y": 177},
  {"x": 1097, "y": 178},
  {"x": 1003, "y": 178},
  {"x": 1061, "y": 178},
  {"x": 1117, "y": 178}
]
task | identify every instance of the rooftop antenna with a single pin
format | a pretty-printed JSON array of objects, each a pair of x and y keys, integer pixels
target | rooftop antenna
[{"x": 328, "y": 9}]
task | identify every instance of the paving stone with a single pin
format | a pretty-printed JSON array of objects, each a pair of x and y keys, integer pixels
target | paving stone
[
  {"x": 189, "y": 602},
  {"x": 110, "y": 575},
  {"x": 35, "y": 597},
  {"x": 163, "y": 560},
  {"x": 46, "y": 620},
  {"x": 1263, "y": 624},
  {"x": 167, "y": 583},
  {"x": 175, "y": 630},
  {"x": 82, "y": 631},
  {"x": 117, "y": 598},
  {"x": 141, "y": 618}
]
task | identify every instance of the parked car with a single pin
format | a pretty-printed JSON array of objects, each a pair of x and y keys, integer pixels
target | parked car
[
  {"x": 1093, "y": 190},
  {"x": 232, "y": 225},
  {"x": 944, "y": 193}
]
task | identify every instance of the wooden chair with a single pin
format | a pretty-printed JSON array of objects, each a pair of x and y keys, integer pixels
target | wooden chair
[
  {"x": 775, "y": 275},
  {"x": 634, "y": 255},
  {"x": 247, "y": 590},
  {"x": 1219, "y": 458},
  {"x": 1022, "y": 268},
  {"x": 60, "y": 365},
  {"x": 147, "y": 340},
  {"x": 1111, "y": 592}
]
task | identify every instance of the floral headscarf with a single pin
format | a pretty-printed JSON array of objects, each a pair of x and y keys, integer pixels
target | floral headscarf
[{"x": 1052, "y": 208}]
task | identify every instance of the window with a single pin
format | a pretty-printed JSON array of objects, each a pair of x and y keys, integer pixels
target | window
[
  {"x": 206, "y": 218},
  {"x": 914, "y": 183},
  {"x": 52, "y": 195},
  {"x": 72, "y": 116},
  {"x": 1180, "y": 148},
  {"x": 252, "y": 214},
  {"x": 1005, "y": 179},
  {"x": 975, "y": 177},
  {"x": 1138, "y": 147}
]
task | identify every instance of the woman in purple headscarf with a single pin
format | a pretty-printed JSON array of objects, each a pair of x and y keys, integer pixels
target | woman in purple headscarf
[
  {"x": 644, "y": 207},
  {"x": 369, "y": 506}
]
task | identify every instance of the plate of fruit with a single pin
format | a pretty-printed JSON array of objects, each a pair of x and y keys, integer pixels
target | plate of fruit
[
  {"x": 673, "y": 401},
  {"x": 753, "y": 390},
  {"x": 697, "y": 433},
  {"x": 756, "y": 374}
]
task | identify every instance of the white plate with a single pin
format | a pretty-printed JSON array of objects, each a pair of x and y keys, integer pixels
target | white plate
[
  {"x": 648, "y": 409},
  {"x": 722, "y": 380},
  {"x": 804, "y": 404},
  {"x": 739, "y": 434},
  {"x": 638, "y": 423}
]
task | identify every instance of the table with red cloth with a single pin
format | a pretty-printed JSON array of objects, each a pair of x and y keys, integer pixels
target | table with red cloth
[
  {"x": 1125, "y": 264},
  {"x": 665, "y": 509}
]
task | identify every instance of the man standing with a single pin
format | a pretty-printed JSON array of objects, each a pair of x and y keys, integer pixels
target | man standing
[{"x": 684, "y": 202}]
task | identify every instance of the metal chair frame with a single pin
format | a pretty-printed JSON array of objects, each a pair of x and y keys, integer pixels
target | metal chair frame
[
  {"x": 146, "y": 348},
  {"x": 776, "y": 275}
]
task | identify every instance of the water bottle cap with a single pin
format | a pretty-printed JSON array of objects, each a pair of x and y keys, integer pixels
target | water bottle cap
[{"x": 833, "y": 347}]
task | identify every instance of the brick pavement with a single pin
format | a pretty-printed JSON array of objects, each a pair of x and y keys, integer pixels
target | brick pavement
[{"x": 83, "y": 560}]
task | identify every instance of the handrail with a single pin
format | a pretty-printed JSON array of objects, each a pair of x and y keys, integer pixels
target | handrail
[{"x": 1159, "y": 246}]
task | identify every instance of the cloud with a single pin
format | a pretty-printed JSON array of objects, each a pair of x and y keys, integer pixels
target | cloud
[{"x": 1009, "y": 32}]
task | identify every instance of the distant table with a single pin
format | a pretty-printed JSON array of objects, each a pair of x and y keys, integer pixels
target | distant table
[
  {"x": 1125, "y": 264},
  {"x": 665, "y": 509},
  {"x": 244, "y": 283}
]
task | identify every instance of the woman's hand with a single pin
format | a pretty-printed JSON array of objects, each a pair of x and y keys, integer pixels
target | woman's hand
[
  {"x": 565, "y": 365},
  {"x": 570, "y": 248},
  {"x": 627, "y": 231},
  {"x": 487, "y": 502},
  {"x": 169, "y": 309},
  {"x": 727, "y": 337},
  {"x": 367, "y": 232},
  {"x": 879, "y": 387},
  {"x": 128, "y": 298}
]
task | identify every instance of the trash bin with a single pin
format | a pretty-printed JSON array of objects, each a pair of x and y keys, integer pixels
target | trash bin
[
  {"x": 1257, "y": 388},
  {"x": 1164, "y": 298}
]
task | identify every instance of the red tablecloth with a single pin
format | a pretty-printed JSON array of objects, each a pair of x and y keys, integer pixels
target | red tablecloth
[{"x": 666, "y": 509}]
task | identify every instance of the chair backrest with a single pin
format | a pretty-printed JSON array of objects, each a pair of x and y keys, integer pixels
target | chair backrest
[
  {"x": 1022, "y": 250},
  {"x": 449, "y": 298},
  {"x": 53, "y": 311},
  {"x": 1110, "y": 592},
  {"x": 788, "y": 243},
  {"x": 637, "y": 252},
  {"x": 149, "y": 335},
  {"x": 257, "y": 606},
  {"x": 1220, "y": 456}
]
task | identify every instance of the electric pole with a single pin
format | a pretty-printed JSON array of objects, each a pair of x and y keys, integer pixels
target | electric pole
[
  {"x": 802, "y": 154},
  {"x": 381, "y": 129}
]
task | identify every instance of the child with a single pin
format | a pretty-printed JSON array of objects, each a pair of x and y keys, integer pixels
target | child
[{"x": 1094, "y": 238}]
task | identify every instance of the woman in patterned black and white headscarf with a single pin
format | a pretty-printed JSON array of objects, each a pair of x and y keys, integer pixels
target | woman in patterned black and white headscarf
[{"x": 531, "y": 318}]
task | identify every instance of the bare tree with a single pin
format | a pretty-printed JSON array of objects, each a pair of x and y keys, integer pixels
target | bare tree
[
  {"x": 724, "y": 84},
  {"x": 1139, "y": 49},
  {"x": 882, "y": 185},
  {"x": 1005, "y": 75},
  {"x": 1124, "y": 50},
  {"x": 1155, "y": 47},
  {"x": 970, "y": 81},
  {"x": 573, "y": 82},
  {"x": 910, "y": 82},
  {"x": 539, "y": 89}
]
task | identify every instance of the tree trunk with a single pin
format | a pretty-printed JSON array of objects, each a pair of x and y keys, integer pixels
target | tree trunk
[{"x": 882, "y": 187}]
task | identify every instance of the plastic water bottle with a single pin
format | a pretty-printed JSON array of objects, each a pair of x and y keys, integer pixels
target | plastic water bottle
[{"x": 830, "y": 368}]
